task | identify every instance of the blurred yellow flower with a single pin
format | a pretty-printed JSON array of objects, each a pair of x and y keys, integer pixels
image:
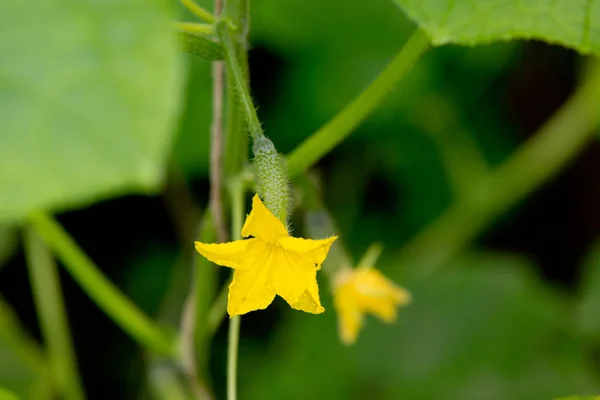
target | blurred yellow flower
[
  {"x": 361, "y": 290},
  {"x": 270, "y": 263}
]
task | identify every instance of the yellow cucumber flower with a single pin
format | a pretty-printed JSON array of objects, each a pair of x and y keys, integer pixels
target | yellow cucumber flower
[
  {"x": 364, "y": 290},
  {"x": 270, "y": 263}
]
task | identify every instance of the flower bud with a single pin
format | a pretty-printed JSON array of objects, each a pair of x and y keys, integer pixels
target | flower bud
[{"x": 271, "y": 179}]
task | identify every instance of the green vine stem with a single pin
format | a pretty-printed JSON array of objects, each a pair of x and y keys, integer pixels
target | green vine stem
[
  {"x": 318, "y": 223},
  {"x": 336, "y": 130},
  {"x": 217, "y": 311},
  {"x": 239, "y": 81},
  {"x": 216, "y": 143},
  {"x": 549, "y": 150},
  {"x": 100, "y": 289},
  {"x": 232, "y": 356},
  {"x": 15, "y": 337},
  {"x": 50, "y": 307},
  {"x": 369, "y": 259},
  {"x": 194, "y": 337},
  {"x": 205, "y": 280},
  {"x": 165, "y": 385},
  {"x": 463, "y": 161},
  {"x": 236, "y": 139},
  {"x": 199, "y": 11},
  {"x": 237, "y": 217}
]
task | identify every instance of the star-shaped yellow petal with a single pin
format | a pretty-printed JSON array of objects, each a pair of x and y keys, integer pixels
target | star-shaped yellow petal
[
  {"x": 270, "y": 263},
  {"x": 365, "y": 290}
]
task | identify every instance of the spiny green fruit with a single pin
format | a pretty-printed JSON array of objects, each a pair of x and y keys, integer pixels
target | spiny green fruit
[{"x": 271, "y": 178}]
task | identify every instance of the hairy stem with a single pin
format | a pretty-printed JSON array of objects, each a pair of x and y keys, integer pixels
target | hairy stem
[
  {"x": 236, "y": 139},
  {"x": 239, "y": 81}
]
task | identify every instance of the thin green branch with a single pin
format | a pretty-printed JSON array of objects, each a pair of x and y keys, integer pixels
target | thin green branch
[
  {"x": 336, "y": 130},
  {"x": 369, "y": 259},
  {"x": 217, "y": 311},
  {"x": 232, "y": 356},
  {"x": 124, "y": 312},
  {"x": 195, "y": 28},
  {"x": 464, "y": 162},
  {"x": 239, "y": 81},
  {"x": 199, "y": 11},
  {"x": 216, "y": 151},
  {"x": 51, "y": 312},
  {"x": 15, "y": 337},
  {"x": 318, "y": 222},
  {"x": 205, "y": 280},
  {"x": 164, "y": 383},
  {"x": 549, "y": 150},
  {"x": 237, "y": 216}
]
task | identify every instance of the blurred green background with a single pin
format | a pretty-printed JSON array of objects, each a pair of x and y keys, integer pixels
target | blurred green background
[{"x": 516, "y": 316}]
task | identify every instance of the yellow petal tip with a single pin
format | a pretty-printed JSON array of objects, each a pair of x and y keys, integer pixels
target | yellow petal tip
[{"x": 199, "y": 245}]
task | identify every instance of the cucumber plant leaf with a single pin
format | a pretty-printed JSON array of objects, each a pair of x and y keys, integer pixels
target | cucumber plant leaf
[
  {"x": 571, "y": 23},
  {"x": 89, "y": 92}
]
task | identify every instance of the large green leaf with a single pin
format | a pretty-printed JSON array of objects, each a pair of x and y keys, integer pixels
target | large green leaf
[
  {"x": 88, "y": 95},
  {"x": 572, "y": 23}
]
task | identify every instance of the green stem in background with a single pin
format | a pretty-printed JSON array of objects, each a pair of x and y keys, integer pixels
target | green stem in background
[
  {"x": 101, "y": 290},
  {"x": 205, "y": 280},
  {"x": 199, "y": 11},
  {"x": 50, "y": 307},
  {"x": 216, "y": 147},
  {"x": 239, "y": 81},
  {"x": 218, "y": 310},
  {"x": 464, "y": 163},
  {"x": 193, "y": 337},
  {"x": 15, "y": 337},
  {"x": 336, "y": 130},
  {"x": 165, "y": 385},
  {"x": 369, "y": 259},
  {"x": 178, "y": 307},
  {"x": 319, "y": 223},
  {"x": 237, "y": 216},
  {"x": 542, "y": 156}
]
